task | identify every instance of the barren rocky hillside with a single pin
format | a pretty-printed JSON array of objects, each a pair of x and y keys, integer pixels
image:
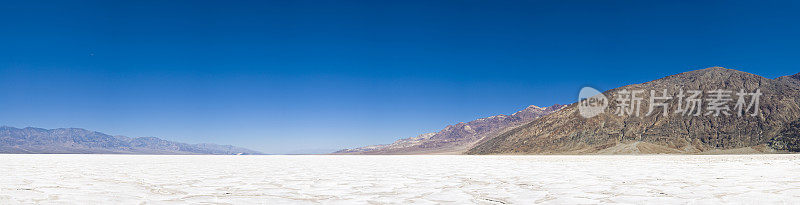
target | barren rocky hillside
[
  {"x": 793, "y": 80},
  {"x": 567, "y": 132}
]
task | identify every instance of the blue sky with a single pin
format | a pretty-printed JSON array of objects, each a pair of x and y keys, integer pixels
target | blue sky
[{"x": 312, "y": 76}]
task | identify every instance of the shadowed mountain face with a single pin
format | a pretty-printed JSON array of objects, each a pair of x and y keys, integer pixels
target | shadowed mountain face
[
  {"x": 455, "y": 139},
  {"x": 789, "y": 138},
  {"x": 81, "y": 141},
  {"x": 568, "y": 132}
]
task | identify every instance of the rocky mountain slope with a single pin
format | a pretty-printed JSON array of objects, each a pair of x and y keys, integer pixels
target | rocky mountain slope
[
  {"x": 774, "y": 128},
  {"x": 793, "y": 80},
  {"x": 81, "y": 141},
  {"x": 455, "y": 139}
]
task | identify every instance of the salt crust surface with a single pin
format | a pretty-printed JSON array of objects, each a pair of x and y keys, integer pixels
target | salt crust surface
[{"x": 419, "y": 179}]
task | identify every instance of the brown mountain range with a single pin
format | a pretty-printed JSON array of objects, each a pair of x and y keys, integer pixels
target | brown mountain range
[
  {"x": 774, "y": 128},
  {"x": 455, "y": 139}
]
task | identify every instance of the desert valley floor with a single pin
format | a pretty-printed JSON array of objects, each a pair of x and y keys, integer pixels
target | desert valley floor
[{"x": 153, "y": 179}]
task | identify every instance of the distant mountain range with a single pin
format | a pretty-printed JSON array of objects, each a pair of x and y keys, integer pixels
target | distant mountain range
[
  {"x": 557, "y": 129},
  {"x": 562, "y": 130},
  {"x": 775, "y": 128},
  {"x": 80, "y": 141},
  {"x": 455, "y": 139}
]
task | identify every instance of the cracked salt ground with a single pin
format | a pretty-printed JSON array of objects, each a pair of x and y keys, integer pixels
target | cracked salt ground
[{"x": 133, "y": 179}]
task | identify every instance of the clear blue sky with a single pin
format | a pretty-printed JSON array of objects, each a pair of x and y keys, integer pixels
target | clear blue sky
[{"x": 310, "y": 76}]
